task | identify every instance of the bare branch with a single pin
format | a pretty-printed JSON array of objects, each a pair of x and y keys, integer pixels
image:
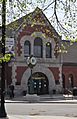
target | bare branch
[
  {"x": 58, "y": 22},
  {"x": 48, "y": 6},
  {"x": 20, "y": 4}
]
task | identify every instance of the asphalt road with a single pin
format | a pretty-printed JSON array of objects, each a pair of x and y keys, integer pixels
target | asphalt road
[{"x": 69, "y": 110}]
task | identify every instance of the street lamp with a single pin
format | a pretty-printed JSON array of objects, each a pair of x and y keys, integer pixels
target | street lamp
[{"x": 31, "y": 62}]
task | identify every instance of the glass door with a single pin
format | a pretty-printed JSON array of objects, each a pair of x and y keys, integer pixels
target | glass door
[{"x": 39, "y": 84}]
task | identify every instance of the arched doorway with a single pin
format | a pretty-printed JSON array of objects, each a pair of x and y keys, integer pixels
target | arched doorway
[
  {"x": 45, "y": 71},
  {"x": 40, "y": 84}
]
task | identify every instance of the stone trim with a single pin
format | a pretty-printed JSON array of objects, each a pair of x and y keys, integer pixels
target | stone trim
[
  {"x": 38, "y": 68},
  {"x": 31, "y": 39},
  {"x": 13, "y": 73}
]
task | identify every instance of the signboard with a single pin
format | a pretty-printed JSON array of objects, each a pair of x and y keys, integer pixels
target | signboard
[{"x": 9, "y": 45}]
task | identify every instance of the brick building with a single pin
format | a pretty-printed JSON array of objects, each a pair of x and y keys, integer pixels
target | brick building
[{"x": 34, "y": 35}]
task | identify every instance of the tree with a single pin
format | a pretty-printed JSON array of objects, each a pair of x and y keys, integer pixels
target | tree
[{"x": 61, "y": 13}]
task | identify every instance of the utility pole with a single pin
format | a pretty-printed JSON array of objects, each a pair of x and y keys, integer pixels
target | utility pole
[{"x": 2, "y": 108}]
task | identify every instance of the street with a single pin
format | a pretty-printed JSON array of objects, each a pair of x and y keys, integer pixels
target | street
[{"x": 41, "y": 109}]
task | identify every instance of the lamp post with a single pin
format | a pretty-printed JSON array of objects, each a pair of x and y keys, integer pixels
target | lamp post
[
  {"x": 2, "y": 107},
  {"x": 31, "y": 62}
]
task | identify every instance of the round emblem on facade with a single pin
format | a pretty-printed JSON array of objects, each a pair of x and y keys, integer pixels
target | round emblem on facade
[{"x": 33, "y": 60}]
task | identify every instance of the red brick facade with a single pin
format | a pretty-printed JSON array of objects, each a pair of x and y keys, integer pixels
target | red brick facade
[
  {"x": 19, "y": 72},
  {"x": 67, "y": 70},
  {"x": 55, "y": 72}
]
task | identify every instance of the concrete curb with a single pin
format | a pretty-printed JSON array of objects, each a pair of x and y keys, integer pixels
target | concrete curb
[
  {"x": 59, "y": 101},
  {"x": 37, "y": 117},
  {"x": 44, "y": 99}
]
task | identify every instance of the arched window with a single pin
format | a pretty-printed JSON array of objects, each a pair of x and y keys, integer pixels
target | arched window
[
  {"x": 48, "y": 50},
  {"x": 38, "y": 47},
  {"x": 27, "y": 48},
  {"x": 70, "y": 81}
]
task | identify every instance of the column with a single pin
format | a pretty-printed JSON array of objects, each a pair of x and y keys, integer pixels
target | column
[{"x": 13, "y": 73}]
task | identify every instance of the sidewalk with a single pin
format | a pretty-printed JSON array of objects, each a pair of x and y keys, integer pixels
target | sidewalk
[
  {"x": 37, "y": 117},
  {"x": 45, "y": 99}
]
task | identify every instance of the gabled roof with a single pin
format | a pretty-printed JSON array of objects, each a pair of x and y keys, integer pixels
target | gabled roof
[
  {"x": 29, "y": 18},
  {"x": 38, "y": 17}
]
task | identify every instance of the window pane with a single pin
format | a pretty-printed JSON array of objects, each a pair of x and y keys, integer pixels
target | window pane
[
  {"x": 27, "y": 48},
  {"x": 38, "y": 47},
  {"x": 48, "y": 50},
  {"x": 37, "y": 51}
]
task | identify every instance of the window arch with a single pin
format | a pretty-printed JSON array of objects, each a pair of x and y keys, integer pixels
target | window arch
[
  {"x": 38, "y": 47},
  {"x": 27, "y": 48},
  {"x": 70, "y": 81},
  {"x": 48, "y": 50}
]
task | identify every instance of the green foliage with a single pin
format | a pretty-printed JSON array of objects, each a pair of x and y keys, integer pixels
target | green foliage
[
  {"x": 6, "y": 58},
  {"x": 1, "y": 1}
]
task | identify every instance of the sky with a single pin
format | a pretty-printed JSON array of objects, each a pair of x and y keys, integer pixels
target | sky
[
  {"x": 30, "y": 7},
  {"x": 12, "y": 9}
]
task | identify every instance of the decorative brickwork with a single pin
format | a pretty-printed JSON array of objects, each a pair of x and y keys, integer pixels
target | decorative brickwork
[
  {"x": 19, "y": 47},
  {"x": 36, "y": 22},
  {"x": 28, "y": 30}
]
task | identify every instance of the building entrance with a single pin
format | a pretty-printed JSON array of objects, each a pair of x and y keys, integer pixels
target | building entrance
[{"x": 39, "y": 85}]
